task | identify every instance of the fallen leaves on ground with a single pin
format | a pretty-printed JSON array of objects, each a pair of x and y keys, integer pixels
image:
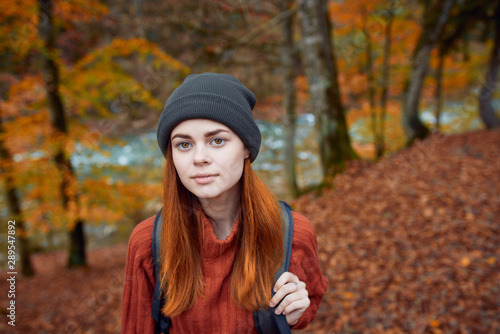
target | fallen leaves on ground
[
  {"x": 58, "y": 300},
  {"x": 412, "y": 244}
]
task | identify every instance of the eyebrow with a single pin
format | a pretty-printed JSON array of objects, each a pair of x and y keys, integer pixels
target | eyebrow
[
  {"x": 213, "y": 133},
  {"x": 206, "y": 134},
  {"x": 181, "y": 136}
]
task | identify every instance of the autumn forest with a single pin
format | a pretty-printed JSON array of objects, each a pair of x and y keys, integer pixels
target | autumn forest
[{"x": 380, "y": 123}]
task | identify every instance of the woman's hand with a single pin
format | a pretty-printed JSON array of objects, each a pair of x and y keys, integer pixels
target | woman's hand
[{"x": 295, "y": 297}]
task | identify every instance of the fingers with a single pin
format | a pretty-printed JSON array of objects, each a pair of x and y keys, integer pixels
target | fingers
[
  {"x": 286, "y": 277},
  {"x": 294, "y": 301},
  {"x": 286, "y": 289},
  {"x": 292, "y": 296},
  {"x": 293, "y": 317},
  {"x": 287, "y": 283}
]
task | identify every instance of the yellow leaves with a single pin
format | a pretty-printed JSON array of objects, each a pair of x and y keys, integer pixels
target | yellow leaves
[
  {"x": 95, "y": 214},
  {"x": 347, "y": 299},
  {"x": 43, "y": 209},
  {"x": 20, "y": 8},
  {"x": 301, "y": 88},
  {"x": 348, "y": 295},
  {"x": 108, "y": 202},
  {"x": 75, "y": 10},
  {"x": 366, "y": 151},
  {"x": 124, "y": 48},
  {"x": 478, "y": 257},
  {"x": 349, "y": 12},
  {"x": 98, "y": 82},
  {"x": 434, "y": 326},
  {"x": 434, "y": 323},
  {"x": 301, "y": 83},
  {"x": 23, "y": 133},
  {"x": 80, "y": 10},
  {"x": 23, "y": 96},
  {"x": 465, "y": 261},
  {"x": 19, "y": 20},
  {"x": 469, "y": 216},
  {"x": 100, "y": 201}
]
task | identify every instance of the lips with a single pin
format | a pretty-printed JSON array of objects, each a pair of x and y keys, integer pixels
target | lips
[{"x": 204, "y": 178}]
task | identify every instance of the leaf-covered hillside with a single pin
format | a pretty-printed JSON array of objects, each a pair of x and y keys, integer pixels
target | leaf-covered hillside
[{"x": 412, "y": 244}]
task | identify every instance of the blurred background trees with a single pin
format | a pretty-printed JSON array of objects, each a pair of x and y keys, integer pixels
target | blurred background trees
[{"x": 82, "y": 88}]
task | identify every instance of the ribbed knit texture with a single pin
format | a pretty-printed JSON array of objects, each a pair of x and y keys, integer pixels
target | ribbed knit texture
[
  {"x": 217, "y": 97},
  {"x": 215, "y": 313}
]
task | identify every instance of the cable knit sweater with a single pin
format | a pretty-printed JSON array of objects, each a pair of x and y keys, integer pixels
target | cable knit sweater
[{"x": 215, "y": 312}]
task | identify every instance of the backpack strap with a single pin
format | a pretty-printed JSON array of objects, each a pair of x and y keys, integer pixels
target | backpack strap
[
  {"x": 266, "y": 321},
  {"x": 162, "y": 323}
]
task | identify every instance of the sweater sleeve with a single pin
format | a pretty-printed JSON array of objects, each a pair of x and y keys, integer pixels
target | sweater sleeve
[
  {"x": 139, "y": 282},
  {"x": 304, "y": 263}
]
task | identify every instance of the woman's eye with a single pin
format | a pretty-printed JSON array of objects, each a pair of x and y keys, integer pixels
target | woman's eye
[
  {"x": 184, "y": 145},
  {"x": 218, "y": 141}
]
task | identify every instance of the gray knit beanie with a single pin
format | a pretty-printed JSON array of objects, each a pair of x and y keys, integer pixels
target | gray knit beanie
[{"x": 217, "y": 97}]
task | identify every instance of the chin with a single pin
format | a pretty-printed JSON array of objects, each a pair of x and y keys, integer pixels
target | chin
[
  {"x": 205, "y": 196},
  {"x": 214, "y": 191},
  {"x": 206, "y": 193}
]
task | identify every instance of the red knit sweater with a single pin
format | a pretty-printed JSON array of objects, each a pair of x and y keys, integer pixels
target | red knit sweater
[{"x": 215, "y": 312}]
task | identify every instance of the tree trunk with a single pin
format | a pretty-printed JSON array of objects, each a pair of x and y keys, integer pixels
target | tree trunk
[
  {"x": 289, "y": 100},
  {"x": 488, "y": 89},
  {"x": 435, "y": 17},
  {"x": 321, "y": 72},
  {"x": 370, "y": 78},
  {"x": 384, "y": 94},
  {"x": 136, "y": 7},
  {"x": 15, "y": 207},
  {"x": 67, "y": 186},
  {"x": 439, "y": 87}
]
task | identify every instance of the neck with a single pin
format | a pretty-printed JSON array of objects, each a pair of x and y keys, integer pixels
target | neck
[{"x": 222, "y": 211}]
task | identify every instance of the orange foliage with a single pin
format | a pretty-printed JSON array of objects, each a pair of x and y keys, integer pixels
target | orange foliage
[
  {"x": 97, "y": 79},
  {"x": 365, "y": 151},
  {"x": 79, "y": 10},
  {"x": 19, "y": 20},
  {"x": 92, "y": 84},
  {"x": 360, "y": 22},
  {"x": 124, "y": 48}
]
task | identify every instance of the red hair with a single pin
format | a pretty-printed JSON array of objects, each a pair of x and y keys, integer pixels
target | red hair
[{"x": 260, "y": 240}]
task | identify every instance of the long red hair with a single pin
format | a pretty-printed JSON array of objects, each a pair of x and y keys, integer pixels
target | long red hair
[{"x": 260, "y": 238}]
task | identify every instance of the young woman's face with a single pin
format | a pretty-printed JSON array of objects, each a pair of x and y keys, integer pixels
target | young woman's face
[{"x": 208, "y": 157}]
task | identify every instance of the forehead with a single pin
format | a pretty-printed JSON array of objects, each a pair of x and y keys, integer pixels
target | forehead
[{"x": 196, "y": 126}]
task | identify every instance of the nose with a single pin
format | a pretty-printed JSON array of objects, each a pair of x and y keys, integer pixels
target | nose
[{"x": 201, "y": 156}]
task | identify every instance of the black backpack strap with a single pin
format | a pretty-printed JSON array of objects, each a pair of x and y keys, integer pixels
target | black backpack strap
[
  {"x": 162, "y": 323},
  {"x": 266, "y": 321}
]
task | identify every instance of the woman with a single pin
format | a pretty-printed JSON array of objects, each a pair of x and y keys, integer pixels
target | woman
[{"x": 221, "y": 237}]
